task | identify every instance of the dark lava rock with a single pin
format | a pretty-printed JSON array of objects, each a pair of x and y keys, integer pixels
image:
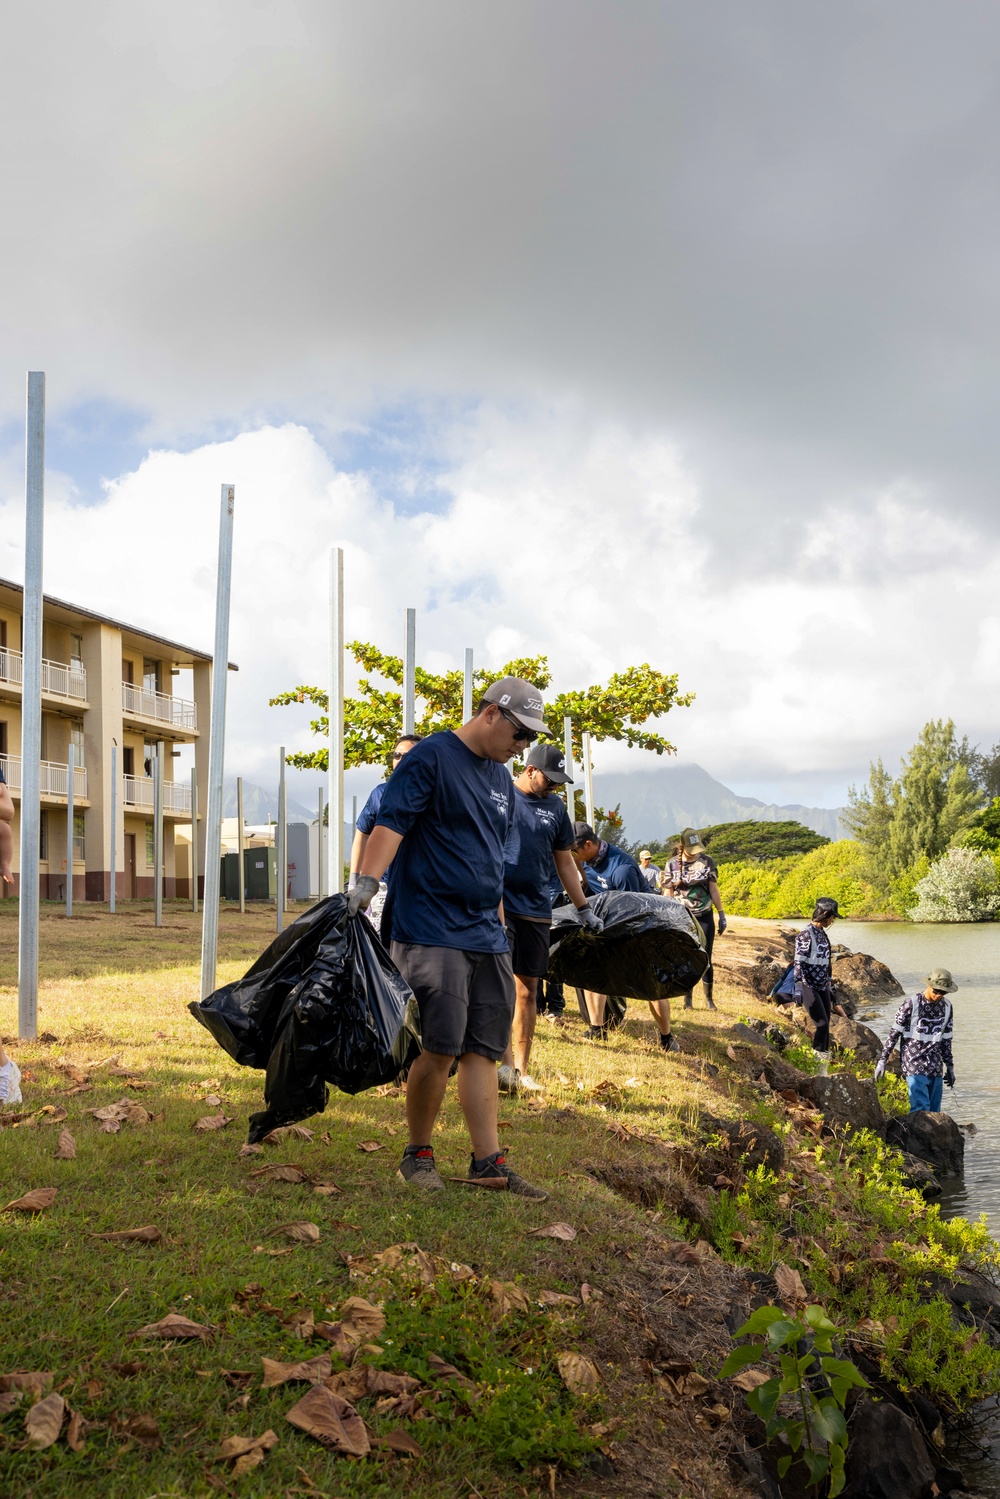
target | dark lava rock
[
  {"x": 845, "y": 1100},
  {"x": 862, "y": 978},
  {"x": 750, "y": 1144},
  {"x": 918, "y": 1174},
  {"x": 747, "y": 1033},
  {"x": 887, "y": 1458},
  {"x": 851, "y": 1035},
  {"x": 781, "y": 1075},
  {"x": 773, "y": 1034},
  {"x": 934, "y": 1138},
  {"x": 975, "y": 1301}
]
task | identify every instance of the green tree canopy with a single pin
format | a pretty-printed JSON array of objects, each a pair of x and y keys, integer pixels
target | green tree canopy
[
  {"x": 620, "y": 709},
  {"x": 747, "y": 842}
]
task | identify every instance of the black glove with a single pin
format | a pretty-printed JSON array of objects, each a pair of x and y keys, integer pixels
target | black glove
[
  {"x": 723, "y": 923},
  {"x": 589, "y": 919},
  {"x": 364, "y": 892},
  {"x": 949, "y": 1077}
]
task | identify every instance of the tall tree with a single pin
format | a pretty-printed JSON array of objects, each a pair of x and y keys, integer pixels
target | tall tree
[
  {"x": 870, "y": 811},
  {"x": 936, "y": 797},
  {"x": 620, "y": 709}
]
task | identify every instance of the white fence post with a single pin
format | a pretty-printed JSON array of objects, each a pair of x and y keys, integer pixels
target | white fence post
[
  {"x": 70, "y": 788},
  {"x": 31, "y": 711},
  {"x": 114, "y": 825},
  {"x": 410, "y": 672},
  {"x": 335, "y": 722},
  {"x": 217, "y": 744}
]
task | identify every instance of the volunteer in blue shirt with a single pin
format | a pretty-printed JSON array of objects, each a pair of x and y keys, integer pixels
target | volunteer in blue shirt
[
  {"x": 540, "y": 841},
  {"x": 445, "y": 816},
  {"x": 380, "y": 912},
  {"x": 607, "y": 867}
]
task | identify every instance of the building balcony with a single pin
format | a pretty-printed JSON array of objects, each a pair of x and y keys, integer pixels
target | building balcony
[
  {"x": 69, "y": 683},
  {"x": 137, "y": 796},
  {"x": 146, "y": 707},
  {"x": 54, "y": 780}
]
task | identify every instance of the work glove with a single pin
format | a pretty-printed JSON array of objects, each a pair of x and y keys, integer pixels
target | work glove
[
  {"x": 364, "y": 892},
  {"x": 949, "y": 1077},
  {"x": 879, "y": 1070},
  {"x": 352, "y": 880},
  {"x": 723, "y": 923},
  {"x": 589, "y": 919}
]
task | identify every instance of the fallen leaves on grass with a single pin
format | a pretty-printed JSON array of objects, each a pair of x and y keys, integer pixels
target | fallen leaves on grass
[
  {"x": 173, "y": 1325},
  {"x": 310, "y": 1371},
  {"x": 331, "y": 1421},
  {"x": 212, "y": 1122},
  {"x": 74, "y": 1432},
  {"x": 564, "y": 1231},
  {"x": 298, "y": 1233},
  {"x": 279, "y": 1173},
  {"x": 148, "y": 1234},
  {"x": 557, "y": 1298},
  {"x": 508, "y": 1297},
  {"x": 749, "y": 1379},
  {"x": 579, "y": 1374},
  {"x": 43, "y": 1422},
  {"x": 327, "y": 1189},
  {"x": 359, "y": 1320},
  {"x": 607, "y": 1093},
  {"x": 51, "y": 1113},
  {"x": 370, "y": 1145},
  {"x": 250, "y": 1150},
  {"x": 789, "y": 1283},
  {"x": 441, "y": 1369},
  {"x": 77, "y": 1074},
  {"x": 245, "y": 1453},
  {"x": 33, "y": 1202},
  {"x": 10, "y": 1401},
  {"x": 66, "y": 1146},
  {"x": 301, "y": 1322},
  {"x": 287, "y": 1132},
  {"x": 30, "y": 1381},
  {"x": 142, "y": 1429},
  {"x": 128, "y": 1370},
  {"x": 400, "y": 1441}
]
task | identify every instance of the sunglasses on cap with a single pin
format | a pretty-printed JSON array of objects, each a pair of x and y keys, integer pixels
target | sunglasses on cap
[{"x": 521, "y": 734}]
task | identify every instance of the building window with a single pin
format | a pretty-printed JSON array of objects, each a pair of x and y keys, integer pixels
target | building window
[
  {"x": 76, "y": 650},
  {"x": 76, "y": 739},
  {"x": 128, "y": 760},
  {"x": 3, "y": 737},
  {"x": 148, "y": 753},
  {"x": 43, "y": 835},
  {"x": 150, "y": 848},
  {"x": 150, "y": 674},
  {"x": 79, "y": 844},
  {"x": 127, "y": 671}
]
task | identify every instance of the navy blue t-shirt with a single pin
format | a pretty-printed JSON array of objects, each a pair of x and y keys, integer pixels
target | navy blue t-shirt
[
  {"x": 615, "y": 870},
  {"x": 454, "y": 810},
  {"x": 368, "y": 816},
  {"x": 541, "y": 824}
]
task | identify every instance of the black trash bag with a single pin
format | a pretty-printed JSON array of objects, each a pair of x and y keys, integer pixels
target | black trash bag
[
  {"x": 324, "y": 1004},
  {"x": 651, "y": 947}
]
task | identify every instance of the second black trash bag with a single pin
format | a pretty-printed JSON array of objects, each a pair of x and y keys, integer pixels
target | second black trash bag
[
  {"x": 651, "y": 947},
  {"x": 328, "y": 1005}
]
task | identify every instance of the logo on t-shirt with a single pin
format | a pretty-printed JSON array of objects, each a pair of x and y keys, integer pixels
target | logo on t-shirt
[{"x": 500, "y": 801}]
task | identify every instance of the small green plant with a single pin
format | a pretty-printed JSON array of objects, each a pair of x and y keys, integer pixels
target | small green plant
[
  {"x": 817, "y": 1381},
  {"x": 892, "y": 1094},
  {"x": 802, "y": 1056}
]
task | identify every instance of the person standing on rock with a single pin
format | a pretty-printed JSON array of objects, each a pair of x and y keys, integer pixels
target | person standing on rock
[
  {"x": 814, "y": 976},
  {"x": 924, "y": 1027},
  {"x": 692, "y": 878}
]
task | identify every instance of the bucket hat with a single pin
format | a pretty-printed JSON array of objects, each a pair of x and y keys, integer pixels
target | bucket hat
[{"x": 941, "y": 979}]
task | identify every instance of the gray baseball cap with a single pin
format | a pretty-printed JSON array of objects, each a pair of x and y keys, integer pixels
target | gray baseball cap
[
  {"x": 521, "y": 700},
  {"x": 551, "y": 761},
  {"x": 584, "y": 833}
]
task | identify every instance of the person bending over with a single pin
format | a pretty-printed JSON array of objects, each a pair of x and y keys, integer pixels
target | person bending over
[{"x": 924, "y": 1027}]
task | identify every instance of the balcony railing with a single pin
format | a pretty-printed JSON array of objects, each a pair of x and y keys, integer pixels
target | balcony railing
[
  {"x": 138, "y": 702},
  {"x": 138, "y": 795},
  {"x": 58, "y": 679},
  {"x": 54, "y": 777}
]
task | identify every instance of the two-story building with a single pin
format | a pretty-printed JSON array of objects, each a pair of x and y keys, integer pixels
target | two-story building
[{"x": 104, "y": 684}]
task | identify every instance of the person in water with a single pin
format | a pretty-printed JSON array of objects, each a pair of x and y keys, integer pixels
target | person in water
[{"x": 924, "y": 1026}]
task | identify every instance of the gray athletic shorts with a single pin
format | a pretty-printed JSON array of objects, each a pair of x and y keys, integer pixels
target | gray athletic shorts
[{"x": 466, "y": 999}]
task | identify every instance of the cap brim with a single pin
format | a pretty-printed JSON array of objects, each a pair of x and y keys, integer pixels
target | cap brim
[
  {"x": 536, "y": 725},
  {"x": 557, "y": 777}
]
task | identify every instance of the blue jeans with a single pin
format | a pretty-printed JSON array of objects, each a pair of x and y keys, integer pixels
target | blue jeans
[{"x": 925, "y": 1093}]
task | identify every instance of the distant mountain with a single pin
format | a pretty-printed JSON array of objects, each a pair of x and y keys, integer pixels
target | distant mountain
[
  {"x": 656, "y": 803},
  {"x": 259, "y": 804}
]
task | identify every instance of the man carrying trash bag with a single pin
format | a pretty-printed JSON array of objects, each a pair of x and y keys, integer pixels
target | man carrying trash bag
[{"x": 444, "y": 819}]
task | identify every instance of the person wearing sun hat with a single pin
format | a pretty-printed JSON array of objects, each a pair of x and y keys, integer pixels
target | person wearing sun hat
[
  {"x": 650, "y": 873},
  {"x": 923, "y": 1027},
  {"x": 692, "y": 878}
]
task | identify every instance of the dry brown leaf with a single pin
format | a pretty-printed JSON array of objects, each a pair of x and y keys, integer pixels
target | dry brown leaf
[
  {"x": 589, "y": 1293},
  {"x": 580, "y": 1375},
  {"x": 367, "y": 1320},
  {"x": 74, "y": 1432},
  {"x": 33, "y": 1202},
  {"x": 32, "y": 1381},
  {"x": 384, "y": 1382},
  {"x": 138, "y": 1084},
  {"x": 749, "y": 1379},
  {"x": 330, "y": 1420},
  {"x": 174, "y": 1326},
  {"x": 370, "y": 1145},
  {"x": 351, "y": 1384},
  {"x": 144, "y": 1429},
  {"x": 440, "y": 1369},
  {"x": 115, "y": 1071},
  {"x": 299, "y": 1233},
  {"x": 557, "y": 1298},
  {"x": 209, "y": 1082},
  {"x": 136, "y": 1114},
  {"x": 408, "y": 1258},
  {"x": 608, "y": 1093},
  {"x": 76, "y": 1073},
  {"x": 250, "y": 1150},
  {"x": 213, "y": 1100},
  {"x": 212, "y": 1121},
  {"x": 129, "y": 1370},
  {"x": 562, "y": 1231},
  {"x": 109, "y": 1113},
  {"x": 287, "y": 1132},
  {"x": 10, "y": 1400},
  {"x": 400, "y": 1441},
  {"x": 44, "y": 1420},
  {"x": 327, "y": 1189},
  {"x": 278, "y": 1173},
  {"x": 789, "y": 1283},
  {"x": 52, "y": 1113},
  {"x": 301, "y": 1323},
  {"x": 246, "y": 1453},
  {"x": 66, "y": 1146},
  {"x": 149, "y": 1234},
  {"x": 508, "y": 1297},
  {"x": 310, "y": 1371}
]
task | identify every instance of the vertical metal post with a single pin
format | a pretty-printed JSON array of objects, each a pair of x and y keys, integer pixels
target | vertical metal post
[
  {"x": 241, "y": 851},
  {"x": 31, "y": 711},
  {"x": 70, "y": 788},
  {"x": 467, "y": 688},
  {"x": 216, "y": 744},
  {"x": 568, "y": 751},
  {"x": 279, "y": 841},
  {"x": 114, "y": 825},
  {"x": 354, "y": 819},
  {"x": 194, "y": 840},
  {"x": 410, "y": 673},
  {"x": 320, "y": 861},
  {"x": 335, "y": 720},
  {"x": 158, "y": 834},
  {"x": 588, "y": 778}
]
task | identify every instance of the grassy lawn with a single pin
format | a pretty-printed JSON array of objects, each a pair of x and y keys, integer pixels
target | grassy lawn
[{"x": 115, "y": 1028}]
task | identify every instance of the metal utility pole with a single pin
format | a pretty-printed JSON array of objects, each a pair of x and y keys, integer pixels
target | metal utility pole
[
  {"x": 114, "y": 823},
  {"x": 410, "y": 673},
  {"x": 280, "y": 840},
  {"x": 588, "y": 778},
  {"x": 194, "y": 839},
  {"x": 216, "y": 744},
  {"x": 70, "y": 788},
  {"x": 568, "y": 752},
  {"x": 158, "y": 834},
  {"x": 241, "y": 845},
  {"x": 335, "y": 720},
  {"x": 354, "y": 819},
  {"x": 320, "y": 861},
  {"x": 31, "y": 711},
  {"x": 467, "y": 688}
]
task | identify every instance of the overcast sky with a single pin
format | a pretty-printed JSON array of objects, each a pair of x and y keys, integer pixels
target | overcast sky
[{"x": 659, "y": 332}]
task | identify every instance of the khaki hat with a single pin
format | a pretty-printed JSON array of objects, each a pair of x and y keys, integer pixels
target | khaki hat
[
  {"x": 941, "y": 979},
  {"x": 521, "y": 699},
  {"x": 691, "y": 839},
  {"x": 645, "y": 854}
]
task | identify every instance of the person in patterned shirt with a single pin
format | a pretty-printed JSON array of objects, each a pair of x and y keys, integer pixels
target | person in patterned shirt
[
  {"x": 814, "y": 976},
  {"x": 923, "y": 1027},
  {"x": 692, "y": 878}
]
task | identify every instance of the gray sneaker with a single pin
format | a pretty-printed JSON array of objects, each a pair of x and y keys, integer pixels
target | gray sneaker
[
  {"x": 497, "y": 1174},
  {"x": 417, "y": 1169}
]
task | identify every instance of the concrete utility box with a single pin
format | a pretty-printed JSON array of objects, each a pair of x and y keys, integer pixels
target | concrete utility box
[{"x": 304, "y": 854}]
